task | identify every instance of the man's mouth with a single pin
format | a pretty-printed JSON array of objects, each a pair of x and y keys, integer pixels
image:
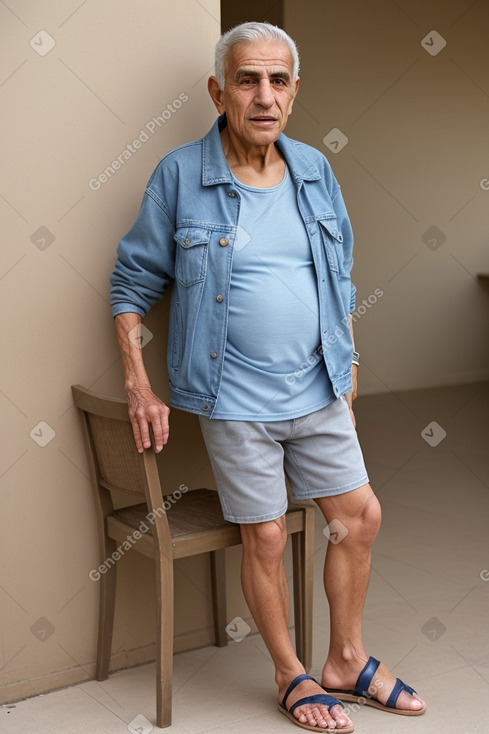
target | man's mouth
[{"x": 264, "y": 118}]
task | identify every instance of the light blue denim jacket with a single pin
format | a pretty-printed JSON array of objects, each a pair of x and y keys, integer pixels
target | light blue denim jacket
[{"x": 185, "y": 233}]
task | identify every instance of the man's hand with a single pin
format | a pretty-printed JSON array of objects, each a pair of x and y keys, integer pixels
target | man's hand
[
  {"x": 351, "y": 396},
  {"x": 145, "y": 410}
]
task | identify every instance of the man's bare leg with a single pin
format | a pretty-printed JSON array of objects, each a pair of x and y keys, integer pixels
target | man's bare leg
[
  {"x": 346, "y": 575},
  {"x": 266, "y": 593}
]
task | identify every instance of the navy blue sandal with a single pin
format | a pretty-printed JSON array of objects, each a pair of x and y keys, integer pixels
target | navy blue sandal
[
  {"x": 318, "y": 698},
  {"x": 360, "y": 693}
]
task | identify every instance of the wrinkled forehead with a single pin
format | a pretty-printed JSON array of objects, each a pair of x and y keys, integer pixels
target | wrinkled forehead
[{"x": 262, "y": 57}]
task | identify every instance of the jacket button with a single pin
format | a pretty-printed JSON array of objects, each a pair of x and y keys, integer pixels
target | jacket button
[
  {"x": 205, "y": 406},
  {"x": 223, "y": 242},
  {"x": 187, "y": 241},
  {"x": 219, "y": 298},
  {"x": 213, "y": 355},
  {"x": 232, "y": 194}
]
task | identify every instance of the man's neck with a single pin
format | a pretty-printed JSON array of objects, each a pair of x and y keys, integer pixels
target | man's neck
[{"x": 260, "y": 166}]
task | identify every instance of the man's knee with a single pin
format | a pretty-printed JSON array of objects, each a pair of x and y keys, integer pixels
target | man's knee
[
  {"x": 364, "y": 525},
  {"x": 358, "y": 511},
  {"x": 371, "y": 519},
  {"x": 265, "y": 540}
]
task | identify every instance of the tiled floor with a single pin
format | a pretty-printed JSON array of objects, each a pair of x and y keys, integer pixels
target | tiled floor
[{"x": 427, "y": 610}]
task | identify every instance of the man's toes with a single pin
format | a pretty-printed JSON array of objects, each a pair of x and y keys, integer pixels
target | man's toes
[
  {"x": 410, "y": 702},
  {"x": 315, "y": 716},
  {"x": 339, "y": 716},
  {"x": 416, "y": 703},
  {"x": 322, "y": 717}
]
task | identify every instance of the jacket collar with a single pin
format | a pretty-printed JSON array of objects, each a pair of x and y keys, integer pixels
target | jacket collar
[{"x": 215, "y": 169}]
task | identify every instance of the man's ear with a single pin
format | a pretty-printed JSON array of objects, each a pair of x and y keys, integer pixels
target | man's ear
[
  {"x": 216, "y": 94},
  {"x": 296, "y": 89}
]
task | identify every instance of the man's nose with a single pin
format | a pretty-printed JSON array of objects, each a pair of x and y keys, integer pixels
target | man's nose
[{"x": 264, "y": 95}]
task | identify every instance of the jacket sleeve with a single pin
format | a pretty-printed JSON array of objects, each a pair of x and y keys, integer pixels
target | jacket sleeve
[
  {"x": 145, "y": 260},
  {"x": 348, "y": 288}
]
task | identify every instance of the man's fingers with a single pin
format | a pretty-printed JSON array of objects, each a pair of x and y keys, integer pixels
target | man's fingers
[
  {"x": 137, "y": 435},
  {"x": 165, "y": 431},
  {"x": 353, "y": 419},
  {"x": 145, "y": 434},
  {"x": 159, "y": 436},
  {"x": 151, "y": 430},
  {"x": 142, "y": 431},
  {"x": 149, "y": 418},
  {"x": 349, "y": 401},
  {"x": 354, "y": 378},
  {"x": 158, "y": 418}
]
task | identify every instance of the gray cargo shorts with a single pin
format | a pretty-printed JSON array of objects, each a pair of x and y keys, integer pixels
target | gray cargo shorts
[{"x": 319, "y": 453}]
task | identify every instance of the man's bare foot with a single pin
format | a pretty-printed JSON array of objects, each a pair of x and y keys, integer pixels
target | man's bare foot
[
  {"x": 344, "y": 675},
  {"x": 316, "y": 715}
]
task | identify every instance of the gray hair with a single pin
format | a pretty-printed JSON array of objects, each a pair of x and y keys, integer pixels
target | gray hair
[{"x": 249, "y": 33}]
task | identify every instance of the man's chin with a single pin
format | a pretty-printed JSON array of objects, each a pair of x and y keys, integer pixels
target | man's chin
[{"x": 265, "y": 136}]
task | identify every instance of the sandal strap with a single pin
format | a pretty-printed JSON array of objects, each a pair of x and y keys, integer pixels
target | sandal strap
[
  {"x": 365, "y": 678},
  {"x": 322, "y": 698},
  {"x": 399, "y": 686},
  {"x": 294, "y": 684}
]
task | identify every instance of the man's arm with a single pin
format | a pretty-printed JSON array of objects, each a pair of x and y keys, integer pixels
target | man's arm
[
  {"x": 351, "y": 396},
  {"x": 145, "y": 408}
]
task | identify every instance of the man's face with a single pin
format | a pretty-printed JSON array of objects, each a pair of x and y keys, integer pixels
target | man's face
[{"x": 258, "y": 91}]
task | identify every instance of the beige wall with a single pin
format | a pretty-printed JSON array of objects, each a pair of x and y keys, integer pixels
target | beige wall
[
  {"x": 66, "y": 116},
  {"x": 417, "y": 151}
]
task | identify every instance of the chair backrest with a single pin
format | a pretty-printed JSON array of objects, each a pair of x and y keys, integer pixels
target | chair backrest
[
  {"x": 114, "y": 461},
  {"x": 111, "y": 442}
]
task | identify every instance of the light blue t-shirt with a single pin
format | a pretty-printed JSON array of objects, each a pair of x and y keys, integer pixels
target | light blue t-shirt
[{"x": 273, "y": 366}]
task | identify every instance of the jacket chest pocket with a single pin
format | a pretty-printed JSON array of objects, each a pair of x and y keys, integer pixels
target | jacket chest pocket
[
  {"x": 332, "y": 241},
  {"x": 191, "y": 254}
]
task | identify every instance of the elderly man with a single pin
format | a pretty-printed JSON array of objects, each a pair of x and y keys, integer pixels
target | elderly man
[{"x": 251, "y": 228}]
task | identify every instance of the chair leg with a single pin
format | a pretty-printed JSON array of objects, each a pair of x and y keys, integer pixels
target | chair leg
[
  {"x": 106, "y": 614},
  {"x": 218, "y": 577},
  {"x": 164, "y": 639},
  {"x": 303, "y": 553}
]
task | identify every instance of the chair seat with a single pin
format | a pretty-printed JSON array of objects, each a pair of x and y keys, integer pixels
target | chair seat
[
  {"x": 198, "y": 509},
  {"x": 195, "y": 514}
]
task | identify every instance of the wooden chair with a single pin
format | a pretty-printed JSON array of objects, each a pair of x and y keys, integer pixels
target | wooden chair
[{"x": 194, "y": 525}]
